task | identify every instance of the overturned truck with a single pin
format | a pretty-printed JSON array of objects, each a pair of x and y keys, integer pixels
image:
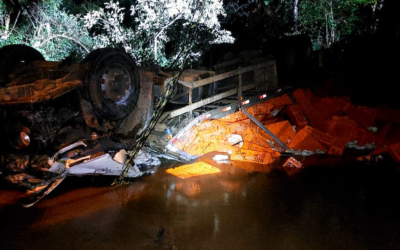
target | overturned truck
[{"x": 105, "y": 102}]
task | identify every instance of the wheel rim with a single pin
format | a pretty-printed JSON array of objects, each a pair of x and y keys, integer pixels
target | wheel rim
[{"x": 116, "y": 84}]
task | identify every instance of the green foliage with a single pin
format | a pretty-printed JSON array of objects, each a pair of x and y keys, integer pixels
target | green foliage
[
  {"x": 49, "y": 28},
  {"x": 326, "y": 22},
  {"x": 143, "y": 30},
  {"x": 156, "y": 24},
  {"x": 162, "y": 32}
]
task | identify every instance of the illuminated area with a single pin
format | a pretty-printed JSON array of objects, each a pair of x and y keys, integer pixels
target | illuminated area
[
  {"x": 192, "y": 170},
  {"x": 187, "y": 124}
]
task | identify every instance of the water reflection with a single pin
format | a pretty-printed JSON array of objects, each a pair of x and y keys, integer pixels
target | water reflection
[{"x": 316, "y": 208}]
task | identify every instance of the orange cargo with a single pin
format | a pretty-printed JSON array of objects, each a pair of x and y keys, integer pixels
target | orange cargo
[
  {"x": 296, "y": 116},
  {"x": 364, "y": 116},
  {"x": 238, "y": 128},
  {"x": 292, "y": 163},
  {"x": 251, "y": 146},
  {"x": 184, "y": 141},
  {"x": 282, "y": 130},
  {"x": 263, "y": 108},
  {"x": 246, "y": 122},
  {"x": 320, "y": 136},
  {"x": 268, "y": 120},
  {"x": 280, "y": 101},
  {"x": 394, "y": 152},
  {"x": 308, "y": 94},
  {"x": 350, "y": 108},
  {"x": 326, "y": 108},
  {"x": 335, "y": 150},
  {"x": 252, "y": 156},
  {"x": 200, "y": 146},
  {"x": 225, "y": 147},
  {"x": 302, "y": 100},
  {"x": 342, "y": 129},
  {"x": 340, "y": 102},
  {"x": 304, "y": 141},
  {"x": 380, "y": 151},
  {"x": 194, "y": 169},
  {"x": 256, "y": 138},
  {"x": 381, "y": 137},
  {"x": 363, "y": 136},
  {"x": 315, "y": 119},
  {"x": 234, "y": 117},
  {"x": 210, "y": 126}
]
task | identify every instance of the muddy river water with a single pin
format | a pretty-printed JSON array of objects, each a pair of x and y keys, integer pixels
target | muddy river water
[{"x": 246, "y": 206}]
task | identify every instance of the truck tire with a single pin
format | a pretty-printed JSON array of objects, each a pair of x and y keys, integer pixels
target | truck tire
[
  {"x": 13, "y": 55},
  {"x": 112, "y": 83}
]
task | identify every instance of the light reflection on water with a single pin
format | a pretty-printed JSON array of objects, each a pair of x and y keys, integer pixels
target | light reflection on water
[{"x": 247, "y": 207}]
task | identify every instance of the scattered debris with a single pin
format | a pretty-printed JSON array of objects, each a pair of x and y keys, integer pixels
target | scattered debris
[
  {"x": 292, "y": 163},
  {"x": 221, "y": 159},
  {"x": 297, "y": 123}
]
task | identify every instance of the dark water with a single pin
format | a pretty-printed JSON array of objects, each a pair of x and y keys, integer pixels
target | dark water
[{"x": 350, "y": 206}]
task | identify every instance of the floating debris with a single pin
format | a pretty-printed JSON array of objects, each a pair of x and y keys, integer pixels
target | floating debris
[
  {"x": 194, "y": 169},
  {"x": 292, "y": 163}
]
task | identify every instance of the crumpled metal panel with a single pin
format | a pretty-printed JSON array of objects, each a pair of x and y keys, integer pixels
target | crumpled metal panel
[{"x": 102, "y": 165}]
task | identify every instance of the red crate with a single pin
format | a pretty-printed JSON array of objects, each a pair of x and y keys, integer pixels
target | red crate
[
  {"x": 350, "y": 108},
  {"x": 339, "y": 102},
  {"x": 316, "y": 120},
  {"x": 296, "y": 116},
  {"x": 302, "y": 100},
  {"x": 280, "y": 101},
  {"x": 381, "y": 137},
  {"x": 292, "y": 163},
  {"x": 304, "y": 141},
  {"x": 364, "y": 116},
  {"x": 283, "y": 130},
  {"x": 363, "y": 136},
  {"x": 335, "y": 150},
  {"x": 380, "y": 151},
  {"x": 269, "y": 120},
  {"x": 327, "y": 108},
  {"x": 263, "y": 108},
  {"x": 342, "y": 128},
  {"x": 320, "y": 136},
  {"x": 394, "y": 152},
  {"x": 308, "y": 94}
]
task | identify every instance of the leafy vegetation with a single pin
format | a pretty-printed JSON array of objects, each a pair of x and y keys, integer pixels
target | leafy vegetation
[
  {"x": 161, "y": 32},
  {"x": 324, "y": 21},
  {"x": 185, "y": 26}
]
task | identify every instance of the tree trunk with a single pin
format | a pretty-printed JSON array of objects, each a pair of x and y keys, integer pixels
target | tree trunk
[
  {"x": 7, "y": 24},
  {"x": 296, "y": 16}
]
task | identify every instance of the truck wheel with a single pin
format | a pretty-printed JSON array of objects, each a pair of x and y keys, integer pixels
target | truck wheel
[
  {"x": 13, "y": 55},
  {"x": 112, "y": 83}
]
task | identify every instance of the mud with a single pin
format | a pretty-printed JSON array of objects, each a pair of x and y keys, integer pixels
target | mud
[{"x": 246, "y": 206}]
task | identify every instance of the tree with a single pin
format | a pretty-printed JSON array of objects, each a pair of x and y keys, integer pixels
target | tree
[
  {"x": 47, "y": 27},
  {"x": 153, "y": 32},
  {"x": 156, "y": 23},
  {"x": 327, "y": 21}
]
